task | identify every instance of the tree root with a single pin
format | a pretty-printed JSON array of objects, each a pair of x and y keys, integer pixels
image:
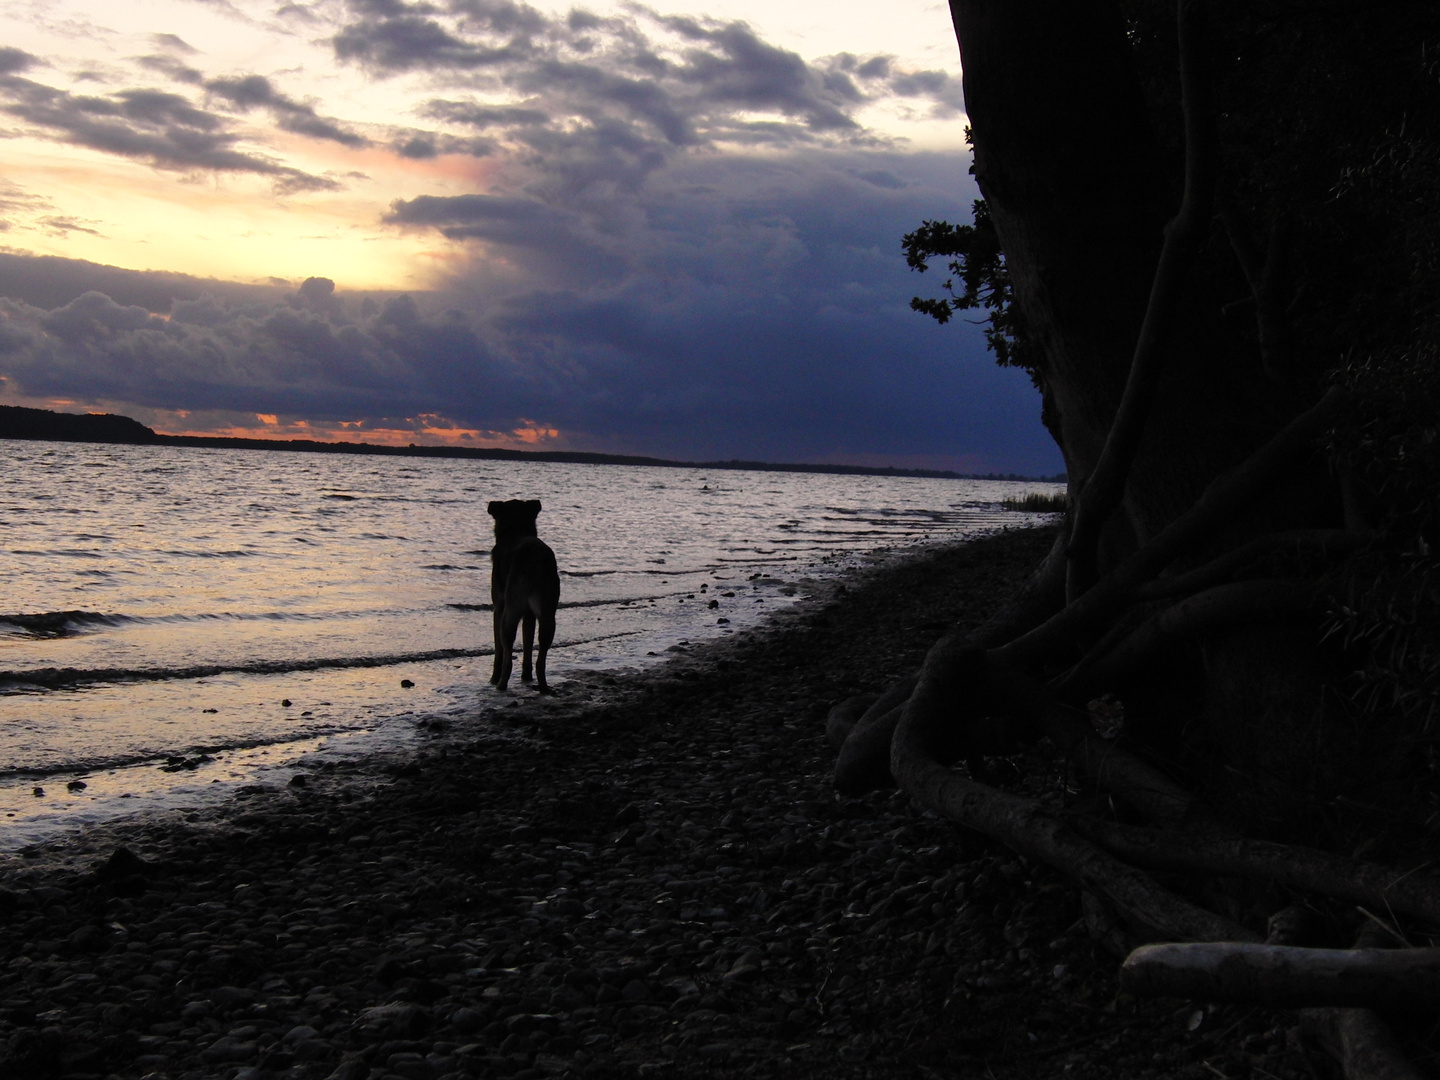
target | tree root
[
  {"x": 1060, "y": 637},
  {"x": 864, "y": 760},
  {"x": 1214, "y": 609},
  {"x": 1382, "y": 888},
  {"x": 933, "y": 729}
]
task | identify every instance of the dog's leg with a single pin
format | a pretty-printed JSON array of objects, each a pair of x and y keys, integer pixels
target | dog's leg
[
  {"x": 527, "y": 635},
  {"x": 499, "y": 621},
  {"x": 547, "y": 635},
  {"x": 511, "y": 624}
]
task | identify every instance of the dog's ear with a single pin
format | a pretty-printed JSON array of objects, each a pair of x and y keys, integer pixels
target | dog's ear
[
  {"x": 533, "y": 506},
  {"x": 494, "y": 508}
]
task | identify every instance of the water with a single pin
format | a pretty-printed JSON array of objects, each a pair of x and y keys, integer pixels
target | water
[{"x": 175, "y": 617}]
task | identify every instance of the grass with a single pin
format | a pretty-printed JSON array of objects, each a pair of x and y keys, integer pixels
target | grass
[{"x": 1037, "y": 502}]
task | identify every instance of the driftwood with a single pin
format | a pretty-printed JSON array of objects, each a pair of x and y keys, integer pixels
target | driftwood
[
  {"x": 1390, "y": 980},
  {"x": 1349, "y": 984}
]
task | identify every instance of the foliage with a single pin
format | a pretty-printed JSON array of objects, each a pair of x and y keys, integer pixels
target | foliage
[
  {"x": 1037, "y": 502},
  {"x": 979, "y": 264}
]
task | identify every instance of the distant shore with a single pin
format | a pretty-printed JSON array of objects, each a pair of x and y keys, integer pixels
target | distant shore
[{"x": 17, "y": 422}]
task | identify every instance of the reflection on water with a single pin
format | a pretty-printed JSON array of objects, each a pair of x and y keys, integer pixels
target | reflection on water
[{"x": 156, "y": 599}]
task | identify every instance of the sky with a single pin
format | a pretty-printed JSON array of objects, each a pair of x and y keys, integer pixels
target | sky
[{"x": 668, "y": 229}]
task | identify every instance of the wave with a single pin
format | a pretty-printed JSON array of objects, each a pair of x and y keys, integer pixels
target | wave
[
  {"x": 71, "y": 678},
  {"x": 211, "y": 554},
  {"x": 61, "y": 624},
  {"x": 57, "y": 624},
  {"x": 613, "y": 601},
  {"x": 164, "y": 759}
]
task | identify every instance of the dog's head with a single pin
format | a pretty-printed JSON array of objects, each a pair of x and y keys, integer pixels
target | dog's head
[{"x": 514, "y": 517}]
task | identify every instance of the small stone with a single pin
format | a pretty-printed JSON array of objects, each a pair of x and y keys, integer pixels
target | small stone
[
  {"x": 76, "y": 785},
  {"x": 232, "y": 997},
  {"x": 406, "y": 683},
  {"x": 285, "y": 703},
  {"x": 38, "y": 792},
  {"x": 229, "y": 1049},
  {"x": 467, "y": 1019},
  {"x": 636, "y": 990}
]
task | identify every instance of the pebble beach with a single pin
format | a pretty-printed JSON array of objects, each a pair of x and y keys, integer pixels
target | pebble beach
[{"x": 643, "y": 875}]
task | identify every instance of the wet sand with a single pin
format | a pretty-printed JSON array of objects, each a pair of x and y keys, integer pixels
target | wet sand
[{"x": 645, "y": 875}]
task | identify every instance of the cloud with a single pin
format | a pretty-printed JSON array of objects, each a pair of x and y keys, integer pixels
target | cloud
[
  {"x": 162, "y": 128},
  {"x": 593, "y": 103},
  {"x": 172, "y": 68},
  {"x": 252, "y": 91},
  {"x": 13, "y": 60},
  {"x": 174, "y": 43}
]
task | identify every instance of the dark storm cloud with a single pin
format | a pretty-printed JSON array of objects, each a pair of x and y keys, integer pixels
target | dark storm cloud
[
  {"x": 162, "y": 128},
  {"x": 254, "y": 354},
  {"x": 256, "y": 91}
]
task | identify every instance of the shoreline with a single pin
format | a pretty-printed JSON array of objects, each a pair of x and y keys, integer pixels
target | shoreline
[
  {"x": 201, "y": 776},
  {"x": 650, "y": 875}
]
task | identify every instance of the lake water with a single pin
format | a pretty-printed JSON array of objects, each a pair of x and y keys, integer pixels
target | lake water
[{"x": 158, "y": 604}]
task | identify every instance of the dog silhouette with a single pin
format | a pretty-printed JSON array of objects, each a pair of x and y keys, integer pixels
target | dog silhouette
[{"x": 524, "y": 589}]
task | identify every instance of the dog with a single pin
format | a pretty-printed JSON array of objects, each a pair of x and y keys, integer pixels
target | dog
[{"x": 524, "y": 589}]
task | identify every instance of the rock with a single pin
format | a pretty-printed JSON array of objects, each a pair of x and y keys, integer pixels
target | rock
[
  {"x": 38, "y": 792},
  {"x": 407, "y": 683},
  {"x": 396, "y": 1019},
  {"x": 636, "y": 990},
  {"x": 76, "y": 785},
  {"x": 467, "y": 1020},
  {"x": 229, "y": 1050},
  {"x": 232, "y": 997},
  {"x": 312, "y": 1049},
  {"x": 746, "y": 966},
  {"x": 123, "y": 863},
  {"x": 352, "y": 1069},
  {"x": 88, "y": 939}
]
